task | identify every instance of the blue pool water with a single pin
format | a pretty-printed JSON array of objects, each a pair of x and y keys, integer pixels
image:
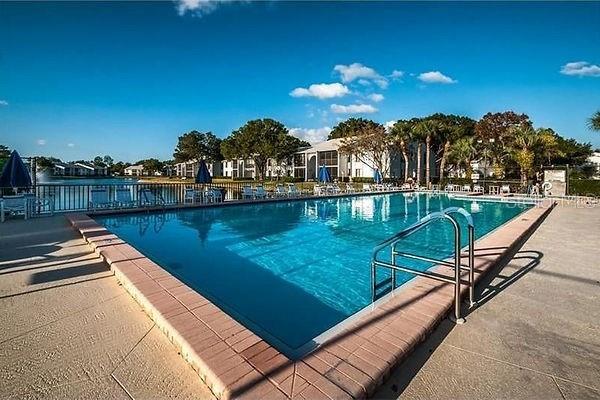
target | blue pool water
[{"x": 289, "y": 271}]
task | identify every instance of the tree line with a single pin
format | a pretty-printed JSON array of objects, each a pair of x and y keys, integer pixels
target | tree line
[{"x": 509, "y": 141}]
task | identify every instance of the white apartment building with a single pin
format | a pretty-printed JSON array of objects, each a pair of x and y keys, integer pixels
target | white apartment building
[
  {"x": 134, "y": 170},
  {"x": 189, "y": 169}
]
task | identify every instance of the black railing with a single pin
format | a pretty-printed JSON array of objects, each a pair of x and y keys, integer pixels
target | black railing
[{"x": 76, "y": 197}]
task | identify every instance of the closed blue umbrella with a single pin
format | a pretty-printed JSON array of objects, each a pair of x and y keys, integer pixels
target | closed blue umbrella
[
  {"x": 203, "y": 176},
  {"x": 324, "y": 174},
  {"x": 377, "y": 177},
  {"x": 15, "y": 174}
]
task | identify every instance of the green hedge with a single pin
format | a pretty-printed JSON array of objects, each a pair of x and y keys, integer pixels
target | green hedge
[{"x": 584, "y": 187}]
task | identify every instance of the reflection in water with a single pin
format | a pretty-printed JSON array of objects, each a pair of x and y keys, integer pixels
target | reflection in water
[
  {"x": 201, "y": 222},
  {"x": 291, "y": 270},
  {"x": 143, "y": 221}
]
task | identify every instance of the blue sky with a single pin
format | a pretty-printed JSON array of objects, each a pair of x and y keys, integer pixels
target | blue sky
[{"x": 125, "y": 79}]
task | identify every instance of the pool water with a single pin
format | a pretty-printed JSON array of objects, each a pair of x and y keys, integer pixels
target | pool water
[{"x": 291, "y": 270}]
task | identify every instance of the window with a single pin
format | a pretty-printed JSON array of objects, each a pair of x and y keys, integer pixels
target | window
[
  {"x": 328, "y": 158},
  {"x": 299, "y": 160},
  {"x": 299, "y": 173},
  {"x": 357, "y": 173}
]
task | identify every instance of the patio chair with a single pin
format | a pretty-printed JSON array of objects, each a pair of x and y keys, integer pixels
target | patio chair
[
  {"x": 13, "y": 205},
  {"x": 477, "y": 189},
  {"x": 99, "y": 199},
  {"x": 406, "y": 186},
  {"x": 189, "y": 196},
  {"x": 293, "y": 191},
  {"x": 123, "y": 198},
  {"x": 334, "y": 189},
  {"x": 505, "y": 190},
  {"x": 280, "y": 190},
  {"x": 247, "y": 192},
  {"x": 350, "y": 188},
  {"x": 466, "y": 188},
  {"x": 149, "y": 199},
  {"x": 366, "y": 187},
  {"x": 259, "y": 192},
  {"x": 213, "y": 195}
]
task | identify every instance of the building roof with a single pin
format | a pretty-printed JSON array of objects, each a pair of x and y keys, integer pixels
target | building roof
[
  {"x": 328, "y": 145},
  {"x": 133, "y": 167}
]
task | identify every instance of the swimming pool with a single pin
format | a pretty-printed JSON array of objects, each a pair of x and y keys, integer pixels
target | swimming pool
[{"x": 291, "y": 270}]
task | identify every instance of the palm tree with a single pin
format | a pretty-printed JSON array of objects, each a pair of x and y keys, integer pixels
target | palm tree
[
  {"x": 401, "y": 134},
  {"x": 525, "y": 140},
  {"x": 427, "y": 129},
  {"x": 594, "y": 121},
  {"x": 462, "y": 152},
  {"x": 417, "y": 138}
]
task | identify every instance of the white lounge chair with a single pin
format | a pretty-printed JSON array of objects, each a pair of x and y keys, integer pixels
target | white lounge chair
[
  {"x": 13, "y": 205},
  {"x": 466, "y": 188},
  {"x": 259, "y": 192},
  {"x": 123, "y": 198},
  {"x": 99, "y": 199},
  {"x": 366, "y": 187},
  {"x": 293, "y": 190},
  {"x": 505, "y": 190},
  {"x": 350, "y": 188},
  {"x": 149, "y": 199},
  {"x": 478, "y": 189},
  {"x": 406, "y": 186},
  {"x": 333, "y": 189}
]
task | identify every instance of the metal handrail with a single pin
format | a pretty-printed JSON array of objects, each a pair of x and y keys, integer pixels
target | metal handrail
[{"x": 447, "y": 215}]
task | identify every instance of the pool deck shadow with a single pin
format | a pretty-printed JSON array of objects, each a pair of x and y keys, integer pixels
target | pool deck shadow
[{"x": 236, "y": 363}]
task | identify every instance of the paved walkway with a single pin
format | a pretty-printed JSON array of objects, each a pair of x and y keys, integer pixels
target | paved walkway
[
  {"x": 69, "y": 331},
  {"x": 537, "y": 334}
]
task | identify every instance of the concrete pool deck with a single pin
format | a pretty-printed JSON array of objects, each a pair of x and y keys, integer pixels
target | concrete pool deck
[
  {"x": 235, "y": 362},
  {"x": 48, "y": 370}
]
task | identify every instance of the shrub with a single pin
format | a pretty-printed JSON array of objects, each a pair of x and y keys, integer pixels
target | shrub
[{"x": 584, "y": 187}]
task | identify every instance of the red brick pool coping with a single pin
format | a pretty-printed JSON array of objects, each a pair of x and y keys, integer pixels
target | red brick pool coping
[{"x": 236, "y": 363}]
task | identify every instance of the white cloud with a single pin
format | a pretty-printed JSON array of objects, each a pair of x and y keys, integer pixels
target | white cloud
[
  {"x": 580, "y": 68},
  {"x": 197, "y": 7},
  {"x": 396, "y": 74},
  {"x": 376, "y": 97},
  {"x": 321, "y": 91},
  {"x": 364, "y": 74},
  {"x": 41, "y": 142},
  {"x": 311, "y": 135},
  {"x": 3, "y": 103},
  {"x": 353, "y": 109},
  {"x": 70, "y": 144},
  {"x": 435, "y": 77}
]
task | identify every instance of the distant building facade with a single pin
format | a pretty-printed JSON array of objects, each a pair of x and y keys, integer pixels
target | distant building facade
[
  {"x": 134, "y": 170},
  {"x": 189, "y": 169},
  {"x": 78, "y": 169}
]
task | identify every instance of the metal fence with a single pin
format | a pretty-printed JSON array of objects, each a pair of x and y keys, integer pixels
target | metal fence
[{"x": 76, "y": 197}]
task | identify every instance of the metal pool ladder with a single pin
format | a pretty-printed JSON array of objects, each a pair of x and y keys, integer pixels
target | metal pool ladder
[{"x": 449, "y": 215}]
